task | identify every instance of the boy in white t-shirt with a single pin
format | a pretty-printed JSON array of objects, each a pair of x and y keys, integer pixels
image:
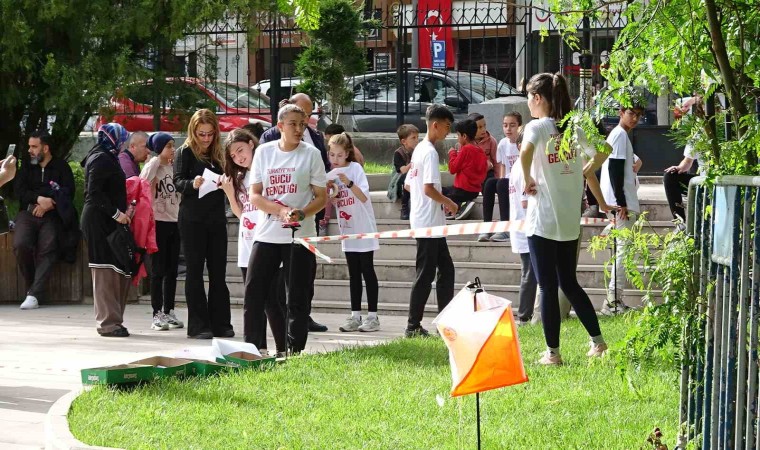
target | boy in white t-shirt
[
  {"x": 619, "y": 185},
  {"x": 427, "y": 210},
  {"x": 287, "y": 185}
]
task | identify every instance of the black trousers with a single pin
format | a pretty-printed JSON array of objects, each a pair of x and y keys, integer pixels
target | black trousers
[
  {"x": 262, "y": 268},
  {"x": 492, "y": 187},
  {"x": 362, "y": 265},
  {"x": 163, "y": 273},
  {"x": 206, "y": 245},
  {"x": 432, "y": 254},
  {"x": 459, "y": 196},
  {"x": 554, "y": 266},
  {"x": 35, "y": 244},
  {"x": 676, "y": 185},
  {"x": 274, "y": 311}
]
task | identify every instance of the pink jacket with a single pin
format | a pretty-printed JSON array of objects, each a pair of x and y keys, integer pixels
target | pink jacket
[{"x": 143, "y": 225}]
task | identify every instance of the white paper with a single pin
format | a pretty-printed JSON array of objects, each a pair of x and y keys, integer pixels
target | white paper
[
  {"x": 333, "y": 174},
  {"x": 226, "y": 347},
  {"x": 210, "y": 183},
  {"x": 201, "y": 353}
]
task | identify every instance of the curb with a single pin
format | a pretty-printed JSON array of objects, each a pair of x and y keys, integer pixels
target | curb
[{"x": 57, "y": 433}]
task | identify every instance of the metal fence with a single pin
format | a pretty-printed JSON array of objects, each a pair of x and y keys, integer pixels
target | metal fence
[
  {"x": 469, "y": 53},
  {"x": 719, "y": 375}
]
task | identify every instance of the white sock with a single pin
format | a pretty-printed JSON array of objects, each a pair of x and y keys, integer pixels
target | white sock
[
  {"x": 372, "y": 315},
  {"x": 597, "y": 339},
  {"x": 554, "y": 351},
  {"x": 356, "y": 314}
]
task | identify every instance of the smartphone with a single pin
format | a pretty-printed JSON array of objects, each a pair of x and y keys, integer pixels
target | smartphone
[{"x": 11, "y": 150}]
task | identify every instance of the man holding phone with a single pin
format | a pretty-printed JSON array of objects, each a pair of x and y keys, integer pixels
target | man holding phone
[{"x": 38, "y": 224}]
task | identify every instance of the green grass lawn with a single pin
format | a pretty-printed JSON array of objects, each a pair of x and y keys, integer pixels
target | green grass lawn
[
  {"x": 373, "y": 167},
  {"x": 385, "y": 397}
]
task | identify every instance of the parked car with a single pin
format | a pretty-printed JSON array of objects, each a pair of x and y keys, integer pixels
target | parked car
[
  {"x": 287, "y": 86},
  {"x": 374, "y": 104},
  {"x": 235, "y": 105}
]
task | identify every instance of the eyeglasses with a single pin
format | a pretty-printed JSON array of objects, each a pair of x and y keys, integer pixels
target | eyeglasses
[
  {"x": 201, "y": 134},
  {"x": 634, "y": 113}
]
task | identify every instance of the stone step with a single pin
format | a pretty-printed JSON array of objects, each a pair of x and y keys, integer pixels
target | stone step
[{"x": 333, "y": 296}]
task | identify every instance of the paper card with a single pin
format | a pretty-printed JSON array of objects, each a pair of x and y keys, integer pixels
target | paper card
[
  {"x": 202, "y": 353},
  {"x": 210, "y": 183},
  {"x": 333, "y": 174},
  {"x": 226, "y": 347}
]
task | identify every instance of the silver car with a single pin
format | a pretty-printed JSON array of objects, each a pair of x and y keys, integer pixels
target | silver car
[{"x": 374, "y": 104}]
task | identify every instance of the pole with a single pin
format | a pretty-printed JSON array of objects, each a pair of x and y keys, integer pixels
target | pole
[
  {"x": 400, "y": 41},
  {"x": 294, "y": 226},
  {"x": 475, "y": 288}
]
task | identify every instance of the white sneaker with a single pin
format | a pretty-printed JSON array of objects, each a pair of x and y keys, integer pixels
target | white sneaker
[
  {"x": 30, "y": 302},
  {"x": 370, "y": 324},
  {"x": 159, "y": 322},
  {"x": 172, "y": 320},
  {"x": 351, "y": 324},
  {"x": 597, "y": 350},
  {"x": 484, "y": 237},
  {"x": 550, "y": 359},
  {"x": 614, "y": 308},
  {"x": 536, "y": 319}
]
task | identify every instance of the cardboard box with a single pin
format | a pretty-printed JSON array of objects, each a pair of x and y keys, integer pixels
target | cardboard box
[
  {"x": 164, "y": 367},
  {"x": 202, "y": 367},
  {"x": 121, "y": 374},
  {"x": 248, "y": 360}
]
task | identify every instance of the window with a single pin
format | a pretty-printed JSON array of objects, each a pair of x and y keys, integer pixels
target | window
[
  {"x": 430, "y": 89},
  {"x": 240, "y": 97}
]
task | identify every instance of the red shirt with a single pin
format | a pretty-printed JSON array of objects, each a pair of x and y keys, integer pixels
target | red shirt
[{"x": 469, "y": 166}]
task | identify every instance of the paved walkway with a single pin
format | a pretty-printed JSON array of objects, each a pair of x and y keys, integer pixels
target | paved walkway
[{"x": 42, "y": 351}]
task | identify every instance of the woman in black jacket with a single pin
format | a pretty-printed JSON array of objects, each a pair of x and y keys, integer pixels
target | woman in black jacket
[
  {"x": 203, "y": 229},
  {"x": 105, "y": 206}
]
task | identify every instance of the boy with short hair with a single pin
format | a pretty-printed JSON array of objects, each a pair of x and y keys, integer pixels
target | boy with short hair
[
  {"x": 427, "y": 204},
  {"x": 619, "y": 186},
  {"x": 408, "y": 136},
  {"x": 469, "y": 165}
]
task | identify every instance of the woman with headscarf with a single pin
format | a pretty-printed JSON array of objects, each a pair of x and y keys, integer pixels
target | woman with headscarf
[
  {"x": 105, "y": 206},
  {"x": 203, "y": 228}
]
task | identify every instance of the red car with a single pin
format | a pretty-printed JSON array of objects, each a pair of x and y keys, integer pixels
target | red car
[{"x": 235, "y": 105}]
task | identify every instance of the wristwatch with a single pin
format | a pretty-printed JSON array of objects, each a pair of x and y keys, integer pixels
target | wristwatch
[{"x": 350, "y": 184}]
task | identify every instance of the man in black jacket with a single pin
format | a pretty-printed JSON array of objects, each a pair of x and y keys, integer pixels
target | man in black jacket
[
  {"x": 38, "y": 224},
  {"x": 316, "y": 139}
]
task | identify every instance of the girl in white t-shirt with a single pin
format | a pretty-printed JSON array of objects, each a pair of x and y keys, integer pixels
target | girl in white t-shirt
[
  {"x": 287, "y": 185},
  {"x": 554, "y": 184},
  {"x": 236, "y": 183},
  {"x": 355, "y": 215}
]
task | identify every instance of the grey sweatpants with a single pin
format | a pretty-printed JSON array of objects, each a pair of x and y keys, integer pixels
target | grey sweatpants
[{"x": 110, "y": 290}]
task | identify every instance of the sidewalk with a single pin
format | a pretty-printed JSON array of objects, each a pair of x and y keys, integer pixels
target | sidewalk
[{"x": 42, "y": 351}]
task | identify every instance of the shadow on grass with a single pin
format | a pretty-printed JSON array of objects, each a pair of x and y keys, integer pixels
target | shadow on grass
[{"x": 424, "y": 353}]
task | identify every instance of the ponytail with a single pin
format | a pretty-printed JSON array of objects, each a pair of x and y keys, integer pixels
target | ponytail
[{"x": 553, "y": 88}]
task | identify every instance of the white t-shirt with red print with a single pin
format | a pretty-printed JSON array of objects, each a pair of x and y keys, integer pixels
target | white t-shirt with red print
[
  {"x": 286, "y": 178},
  {"x": 354, "y": 216},
  {"x": 248, "y": 220},
  {"x": 507, "y": 153},
  {"x": 425, "y": 212},
  {"x": 517, "y": 239}
]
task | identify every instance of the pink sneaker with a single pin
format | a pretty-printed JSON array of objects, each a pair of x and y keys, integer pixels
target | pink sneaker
[
  {"x": 597, "y": 350},
  {"x": 550, "y": 359}
]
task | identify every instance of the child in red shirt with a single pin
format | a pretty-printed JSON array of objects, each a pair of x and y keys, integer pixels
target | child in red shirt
[{"x": 469, "y": 164}]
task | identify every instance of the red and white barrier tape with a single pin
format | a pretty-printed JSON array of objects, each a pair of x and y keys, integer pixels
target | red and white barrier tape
[{"x": 430, "y": 232}]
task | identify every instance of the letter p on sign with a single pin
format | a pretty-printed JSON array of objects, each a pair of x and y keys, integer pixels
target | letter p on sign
[{"x": 439, "y": 54}]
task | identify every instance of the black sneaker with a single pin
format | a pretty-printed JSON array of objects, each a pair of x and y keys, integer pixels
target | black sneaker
[
  {"x": 316, "y": 327},
  {"x": 119, "y": 332},
  {"x": 226, "y": 334},
  {"x": 201, "y": 335},
  {"x": 416, "y": 332}
]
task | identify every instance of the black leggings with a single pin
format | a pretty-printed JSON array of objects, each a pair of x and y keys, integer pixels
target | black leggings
[
  {"x": 492, "y": 187},
  {"x": 274, "y": 311},
  {"x": 361, "y": 264},
  {"x": 163, "y": 272},
  {"x": 676, "y": 185},
  {"x": 554, "y": 265}
]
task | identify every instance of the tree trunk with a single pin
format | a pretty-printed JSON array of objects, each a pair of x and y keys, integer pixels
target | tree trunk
[{"x": 727, "y": 74}]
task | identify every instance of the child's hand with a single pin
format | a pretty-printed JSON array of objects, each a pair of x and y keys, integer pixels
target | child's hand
[
  {"x": 404, "y": 169},
  {"x": 530, "y": 185},
  {"x": 637, "y": 165},
  {"x": 450, "y": 206},
  {"x": 227, "y": 186}
]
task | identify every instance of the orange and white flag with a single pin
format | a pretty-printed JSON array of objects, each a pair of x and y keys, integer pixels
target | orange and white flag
[{"x": 484, "y": 351}]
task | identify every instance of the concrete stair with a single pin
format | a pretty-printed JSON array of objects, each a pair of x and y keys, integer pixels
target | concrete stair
[{"x": 494, "y": 262}]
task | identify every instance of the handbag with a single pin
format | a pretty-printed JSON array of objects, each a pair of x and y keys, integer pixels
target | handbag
[
  {"x": 124, "y": 249},
  {"x": 4, "y": 228}
]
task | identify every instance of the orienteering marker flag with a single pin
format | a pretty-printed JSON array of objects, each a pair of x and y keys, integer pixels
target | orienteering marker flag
[{"x": 484, "y": 352}]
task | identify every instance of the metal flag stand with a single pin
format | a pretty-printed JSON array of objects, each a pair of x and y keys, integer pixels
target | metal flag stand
[
  {"x": 293, "y": 226},
  {"x": 475, "y": 288}
]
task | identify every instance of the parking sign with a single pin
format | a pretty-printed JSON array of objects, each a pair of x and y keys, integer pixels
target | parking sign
[{"x": 438, "y": 52}]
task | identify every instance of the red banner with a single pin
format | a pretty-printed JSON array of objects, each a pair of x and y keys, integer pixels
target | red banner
[{"x": 436, "y": 45}]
